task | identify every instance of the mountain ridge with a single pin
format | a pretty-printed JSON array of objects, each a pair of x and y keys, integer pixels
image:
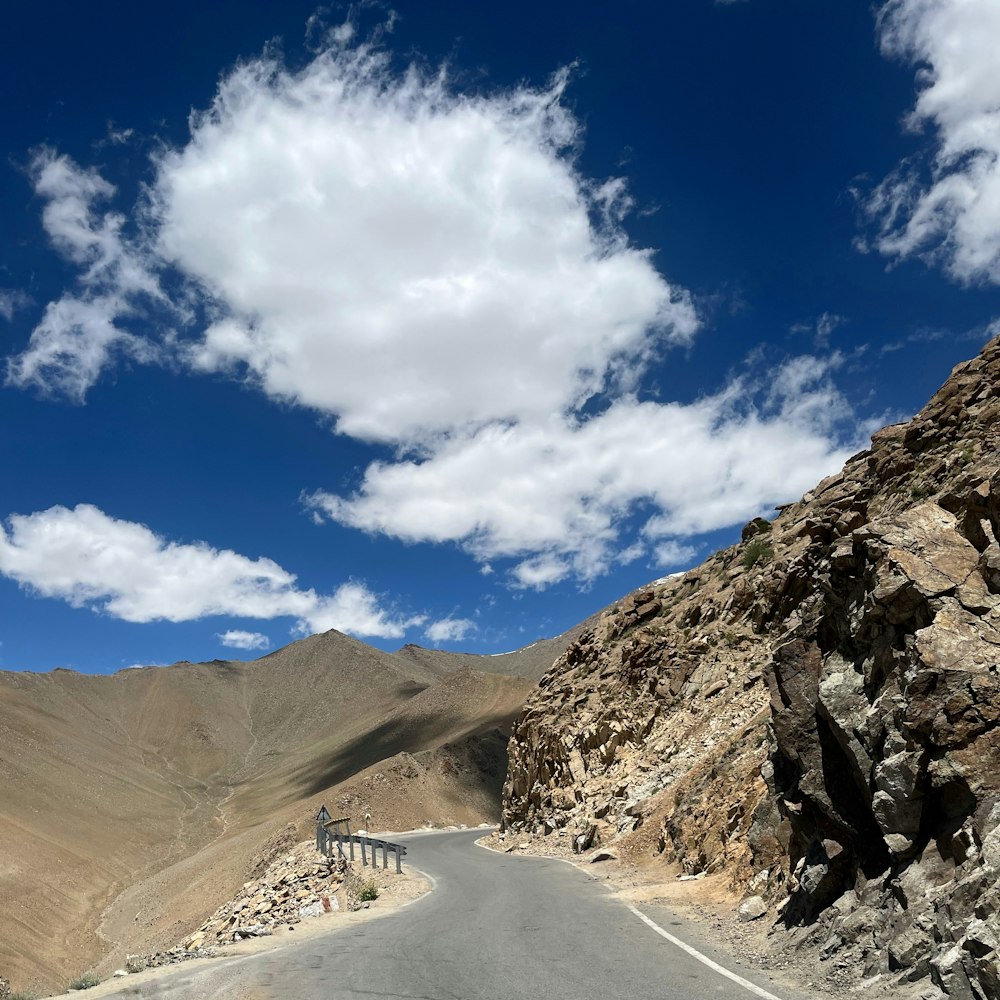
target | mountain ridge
[{"x": 132, "y": 802}]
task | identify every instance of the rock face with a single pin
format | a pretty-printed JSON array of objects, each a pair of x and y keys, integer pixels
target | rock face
[{"x": 815, "y": 711}]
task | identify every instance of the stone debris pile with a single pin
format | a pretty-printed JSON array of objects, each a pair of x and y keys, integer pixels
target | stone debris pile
[
  {"x": 299, "y": 884},
  {"x": 289, "y": 890}
]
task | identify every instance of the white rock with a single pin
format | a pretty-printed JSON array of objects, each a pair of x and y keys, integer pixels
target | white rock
[{"x": 752, "y": 908}]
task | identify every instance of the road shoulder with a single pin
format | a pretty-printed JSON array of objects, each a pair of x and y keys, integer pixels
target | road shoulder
[{"x": 395, "y": 893}]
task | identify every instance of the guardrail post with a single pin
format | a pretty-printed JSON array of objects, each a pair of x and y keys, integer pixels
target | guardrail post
[{"x": 330, "y": 832}]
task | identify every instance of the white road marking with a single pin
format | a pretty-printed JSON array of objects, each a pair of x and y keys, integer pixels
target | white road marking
[
  {"x": 683, "y": 945},
  {"x": 704, "y": 959}
]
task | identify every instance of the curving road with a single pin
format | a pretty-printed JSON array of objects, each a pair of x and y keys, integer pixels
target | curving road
[{"x": 495, "y": 928}]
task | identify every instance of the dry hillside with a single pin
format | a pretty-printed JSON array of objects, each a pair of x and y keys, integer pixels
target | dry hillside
[
  {"x": 131, "y": 805},
  {"x": 814, "y": 712}
]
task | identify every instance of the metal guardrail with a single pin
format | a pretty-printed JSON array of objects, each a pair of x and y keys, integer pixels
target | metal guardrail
[{"x": 330, "y": 836}]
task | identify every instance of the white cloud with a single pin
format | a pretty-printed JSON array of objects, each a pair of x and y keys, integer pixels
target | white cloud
[
  {"x": 354, "y": 608},
  {"x": 81, "y": 333},
  {"x": 11, "y": 300},
  {"x": 450, "y": 629},
  {"x": 826, "y": 323},
  {"x": 543, "y": 570},
  {"x": 376, "y": 246},
  {"x": 116, "y": 136},
  {"x": 557, "y": 494},
  {"x": 238, "y": 639},
  {"x": 952, "y": 215},
  {"x": 821, "y": 329},
  {"x": 75, "y": 341},
  {"x": 85, "y": 236},
  {"x": 405, "y": 257},
  {"x": 628, "y": 555},
  {"x": 124, "y": 569},
  {"x": 673, "y": 553}
]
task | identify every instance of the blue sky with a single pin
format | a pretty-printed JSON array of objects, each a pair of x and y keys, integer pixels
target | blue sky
[{"x": 448, "y": 323}]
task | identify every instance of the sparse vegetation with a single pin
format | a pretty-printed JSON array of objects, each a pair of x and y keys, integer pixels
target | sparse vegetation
[
  {"x": 85, "y": 982},
  {"x": 369, "y": 892},
  {"x": 966, "y": 455},
  {"x": 919, "y": 492},
  {"x": 757, "y": 551}
]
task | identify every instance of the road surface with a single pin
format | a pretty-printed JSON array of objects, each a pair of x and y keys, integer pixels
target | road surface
[{"x": 495, "y": 927}]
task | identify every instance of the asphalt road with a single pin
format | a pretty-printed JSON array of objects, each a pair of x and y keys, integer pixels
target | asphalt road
[{"x": 495, "y": 928}]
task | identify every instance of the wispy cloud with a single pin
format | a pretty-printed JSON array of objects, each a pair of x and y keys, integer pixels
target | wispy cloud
[
  {"x": 80, "y": 334},
  {"x": 820, "y": 329},
  {"x": 945, "y": 205},
  {"x": 11, "y": 300},
  {"x": 555, "y": 494},
  {"x": 980, "y": 334}
]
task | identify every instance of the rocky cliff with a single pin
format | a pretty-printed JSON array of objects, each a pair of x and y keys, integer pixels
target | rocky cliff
[{"x": 815, "y": 711}]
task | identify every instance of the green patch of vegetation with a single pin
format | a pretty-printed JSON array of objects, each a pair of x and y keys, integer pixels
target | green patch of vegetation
[
  {"x": 85, "y": 982},
  {"x": 966, "y": 455},
  {"x": 368, "y": 893},
  {"x": 919, "y": 492},
  {"x": 757, "y": 551}
]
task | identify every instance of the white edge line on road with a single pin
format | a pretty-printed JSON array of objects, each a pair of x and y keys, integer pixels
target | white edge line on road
[
  {"x": 704, "y": 959},
  {"x": 683, "y": 945},
  {"x": 430, "y": 878}
]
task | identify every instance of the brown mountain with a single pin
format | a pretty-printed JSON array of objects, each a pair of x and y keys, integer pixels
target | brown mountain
[
  {"x": 131, "y": 805},
  {"x": 814, "y": 712}
]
